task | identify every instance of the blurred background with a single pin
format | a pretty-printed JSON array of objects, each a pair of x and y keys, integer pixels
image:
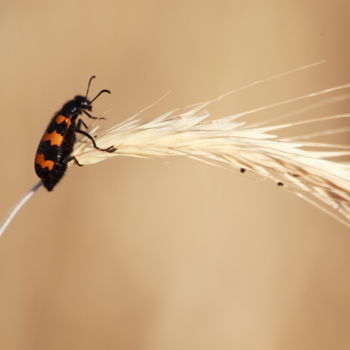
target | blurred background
[{"x": 166, "y": 253}]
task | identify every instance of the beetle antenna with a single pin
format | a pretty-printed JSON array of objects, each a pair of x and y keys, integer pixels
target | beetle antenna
[
  {"x": 100, "y": 93},
  {"x": 89, "y": 83}
]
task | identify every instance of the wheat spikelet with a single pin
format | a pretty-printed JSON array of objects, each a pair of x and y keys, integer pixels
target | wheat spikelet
[{"x": 308, "y": 169}]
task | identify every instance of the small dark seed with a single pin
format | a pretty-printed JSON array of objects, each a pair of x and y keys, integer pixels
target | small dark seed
[
  {"x": 242, "y": 170},
  {"x": 280, "y": 184}
]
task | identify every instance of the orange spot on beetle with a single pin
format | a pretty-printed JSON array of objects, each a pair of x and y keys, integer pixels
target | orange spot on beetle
[
  {"x": 54, "y": 138},
  {"x": 62, "y": 119},
  {"x": 40, "y": 160}
]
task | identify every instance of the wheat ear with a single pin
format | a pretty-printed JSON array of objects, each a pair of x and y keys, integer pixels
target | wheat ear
[{"x": 308, "y": 169}]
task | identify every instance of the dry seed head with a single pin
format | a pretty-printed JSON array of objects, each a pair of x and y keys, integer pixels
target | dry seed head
[{"x": 304, "y": 167}]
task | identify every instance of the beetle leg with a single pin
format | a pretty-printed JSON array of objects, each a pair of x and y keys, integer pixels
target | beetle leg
[
  {"x": 90, "y": 116},
  {"x": 75, "y": 160},
  {"x": 110, "y": 149}
]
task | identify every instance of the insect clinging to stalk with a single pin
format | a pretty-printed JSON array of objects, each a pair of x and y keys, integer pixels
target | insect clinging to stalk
[{"x": 56, "y": 145}]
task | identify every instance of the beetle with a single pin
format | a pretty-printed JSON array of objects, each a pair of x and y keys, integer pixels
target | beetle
[{"x": 56, "y": 145}]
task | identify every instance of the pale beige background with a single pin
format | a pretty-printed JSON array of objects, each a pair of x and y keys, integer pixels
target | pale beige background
[{"x": 166, "y": 254}]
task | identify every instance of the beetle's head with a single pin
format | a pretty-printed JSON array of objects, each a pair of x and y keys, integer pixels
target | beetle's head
[{"x": 83, "y": 103}]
